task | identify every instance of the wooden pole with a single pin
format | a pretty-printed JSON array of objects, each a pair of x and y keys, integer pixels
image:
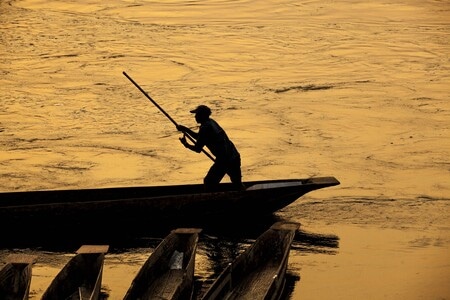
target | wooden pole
[{"x": 164, "y": 112}]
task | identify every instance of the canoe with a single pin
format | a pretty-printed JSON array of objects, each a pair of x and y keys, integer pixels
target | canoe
[
  {"x": 156, "y": 203},
  {"x": 15, "y": 277},
  {"x": 258, "y": 272},
  {"x": 168, "y": 273},
  {"x": 81, "y": 277}
]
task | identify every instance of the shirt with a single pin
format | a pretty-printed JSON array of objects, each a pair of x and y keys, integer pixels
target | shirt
[{"x": 216, "y": 140}]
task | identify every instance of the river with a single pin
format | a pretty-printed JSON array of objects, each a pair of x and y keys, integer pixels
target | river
[{"x": 355, "y": 90}]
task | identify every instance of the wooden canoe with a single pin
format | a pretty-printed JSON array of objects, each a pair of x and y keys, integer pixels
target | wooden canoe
[
  {"x": 81, "y": 277},
  {"x": 15, "y": 277},
  {"x": 258, "y": 272},
  {"x": 168, "y": 273},
  {"x": 156, "y": 203}
]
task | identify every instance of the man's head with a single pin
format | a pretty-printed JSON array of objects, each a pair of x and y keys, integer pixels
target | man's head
[{"x": 202, "y": 113}]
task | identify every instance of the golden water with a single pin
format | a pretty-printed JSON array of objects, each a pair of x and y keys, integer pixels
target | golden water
[{"x": 351, "y": 89}]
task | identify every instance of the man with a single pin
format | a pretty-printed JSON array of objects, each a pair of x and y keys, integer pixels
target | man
[{"x": 211, "y": 135}]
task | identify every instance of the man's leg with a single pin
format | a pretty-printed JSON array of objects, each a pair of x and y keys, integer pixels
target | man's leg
[
  {"x": 234, "y": 171},
  {"x": 214, "y": 176}
]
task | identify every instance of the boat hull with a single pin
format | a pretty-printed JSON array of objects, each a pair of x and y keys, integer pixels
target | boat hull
[
  {"x": 15, "y": 277},
  {"x": 81, "y": 277},
  {"x": 259, "y": 272},
  {"x": 169, "y": 271},
  {"x": 125, "y": 211},
  {"x": 157, "y": 203}
]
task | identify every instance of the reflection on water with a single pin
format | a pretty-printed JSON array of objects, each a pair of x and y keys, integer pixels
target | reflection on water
[
  {"x": 308, "y": 242},
  {"x": 124, "y": 234}
]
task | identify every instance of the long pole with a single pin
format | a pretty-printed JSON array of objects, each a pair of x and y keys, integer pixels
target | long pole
[{"x": 163, "y": 111}]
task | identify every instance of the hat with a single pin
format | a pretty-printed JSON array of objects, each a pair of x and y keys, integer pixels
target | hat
[{"x": 202, "y": 109}]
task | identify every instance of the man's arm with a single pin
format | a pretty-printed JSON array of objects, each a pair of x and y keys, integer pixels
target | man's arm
[
  {"x": 194, "y": 148},
  {"x": 189, "y": 131}
]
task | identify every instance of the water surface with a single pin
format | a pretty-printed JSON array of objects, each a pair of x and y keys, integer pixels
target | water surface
[{"x": 348, "y": 89}]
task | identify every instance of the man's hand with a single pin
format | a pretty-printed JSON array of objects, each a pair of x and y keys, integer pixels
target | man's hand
[
  {"x": 184, "y": 142},
  {"x": 182, "y": 128}
]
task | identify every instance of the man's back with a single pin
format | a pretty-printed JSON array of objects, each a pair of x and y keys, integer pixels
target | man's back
[{"x": 215, "y": 138}]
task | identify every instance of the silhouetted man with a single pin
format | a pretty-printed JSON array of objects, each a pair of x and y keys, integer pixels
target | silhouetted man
[{"x": 211, "y": 135}]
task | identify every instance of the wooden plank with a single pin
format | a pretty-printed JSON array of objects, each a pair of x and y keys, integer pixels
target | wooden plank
[
  {"x": 250, "y": 287},
  {"x": 84, "y": 293},
  {"x": 286, "y": 226},
  {"x": 166, "y": 285},
  {"x": 262, "y": 186},
  {"x": 93, "y": 249}
]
